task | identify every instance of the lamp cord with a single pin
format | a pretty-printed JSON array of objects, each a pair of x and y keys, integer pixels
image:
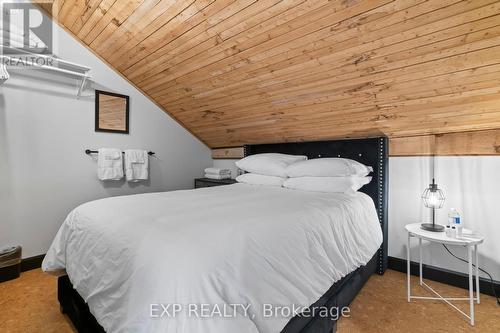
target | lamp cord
[{"x": 482, "y": 270}]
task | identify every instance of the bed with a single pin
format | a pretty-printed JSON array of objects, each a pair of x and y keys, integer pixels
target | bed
[{"x": 274, "y": 247}]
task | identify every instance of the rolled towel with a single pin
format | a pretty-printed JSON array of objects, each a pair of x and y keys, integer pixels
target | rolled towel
[
  {"x": 212, "y": 176},
  {"x": 217, "y": 171}
]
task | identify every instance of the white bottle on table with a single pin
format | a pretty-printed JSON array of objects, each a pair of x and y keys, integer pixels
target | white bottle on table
[{"x": 455, "y": 220}]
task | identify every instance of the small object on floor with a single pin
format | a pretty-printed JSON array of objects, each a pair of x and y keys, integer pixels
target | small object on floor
[{"x": 10, "y": 263}]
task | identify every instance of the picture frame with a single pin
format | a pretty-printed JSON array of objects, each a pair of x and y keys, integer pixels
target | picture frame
[{"x": 112, "y": 113}]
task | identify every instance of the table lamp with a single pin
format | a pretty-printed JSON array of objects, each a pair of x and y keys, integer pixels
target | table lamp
[{"x": 433, "y": 198}]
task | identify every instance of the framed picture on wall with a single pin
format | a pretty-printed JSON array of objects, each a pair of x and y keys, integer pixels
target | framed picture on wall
[{"x": 111, "y": 112}]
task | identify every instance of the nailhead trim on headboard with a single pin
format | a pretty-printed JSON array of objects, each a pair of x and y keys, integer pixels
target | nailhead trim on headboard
[{"x": 381, "y": 202}]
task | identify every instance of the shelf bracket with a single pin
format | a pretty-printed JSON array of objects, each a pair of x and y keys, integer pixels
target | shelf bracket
[{"x": 80, "y": 89}]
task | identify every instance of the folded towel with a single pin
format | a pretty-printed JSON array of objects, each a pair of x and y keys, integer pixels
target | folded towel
[
  {"x": 136, "y": 164},
  {"x": 212, "y": 176},
  {"x": 109, "y": 164},
  {"x": 217, "y": 171}
]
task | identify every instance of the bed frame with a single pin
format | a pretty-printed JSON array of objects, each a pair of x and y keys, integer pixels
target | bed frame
[{"x": 373, "y": 152}]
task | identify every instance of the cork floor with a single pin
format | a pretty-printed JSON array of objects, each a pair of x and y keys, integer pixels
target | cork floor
[{"x": 29, "y": 304}]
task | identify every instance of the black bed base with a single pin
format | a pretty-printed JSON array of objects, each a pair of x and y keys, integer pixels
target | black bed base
[
  {"x": 73, "y": 305},
  {"x": 339, "y": 295}
]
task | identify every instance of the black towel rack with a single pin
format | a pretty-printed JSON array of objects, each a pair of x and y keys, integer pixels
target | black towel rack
[{"x": 88, "y": 152}]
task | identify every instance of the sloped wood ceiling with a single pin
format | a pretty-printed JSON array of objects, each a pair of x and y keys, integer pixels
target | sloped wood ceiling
[{"x": 247, "y": 71}]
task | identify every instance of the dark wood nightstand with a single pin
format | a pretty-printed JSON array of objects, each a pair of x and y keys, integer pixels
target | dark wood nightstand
[{"x": 207, "y": 182}]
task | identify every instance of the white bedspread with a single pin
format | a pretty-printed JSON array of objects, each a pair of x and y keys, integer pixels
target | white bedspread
[{"x": 211, "y": 247}]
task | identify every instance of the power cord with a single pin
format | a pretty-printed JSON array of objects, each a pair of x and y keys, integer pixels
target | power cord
[{"x": 482, "y": 270}]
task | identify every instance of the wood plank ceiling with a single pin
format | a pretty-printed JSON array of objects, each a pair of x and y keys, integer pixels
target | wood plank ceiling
[{"x": 248, "y": 71}]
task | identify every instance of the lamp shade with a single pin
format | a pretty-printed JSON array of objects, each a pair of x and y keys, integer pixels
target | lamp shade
[{"x": 433, "y": 197}]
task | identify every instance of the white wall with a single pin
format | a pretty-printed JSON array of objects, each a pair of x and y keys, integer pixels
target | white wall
[
  {"x": 44, "y": 130},
  {"x": 471, "y": 184}
]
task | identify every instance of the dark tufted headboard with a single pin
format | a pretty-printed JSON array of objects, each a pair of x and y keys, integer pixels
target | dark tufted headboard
[{"x": 372, "y": 152}]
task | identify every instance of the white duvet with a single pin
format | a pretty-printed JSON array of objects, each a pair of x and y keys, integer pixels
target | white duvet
[{"x": 242, "y": 247}]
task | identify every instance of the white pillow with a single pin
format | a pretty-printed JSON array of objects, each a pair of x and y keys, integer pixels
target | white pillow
[
  {"x": 327, "y": 167},
  {"x": 256, "y": 179},
  {"x": 348, "y": 184},
  {"x": 269, "y": 164}
]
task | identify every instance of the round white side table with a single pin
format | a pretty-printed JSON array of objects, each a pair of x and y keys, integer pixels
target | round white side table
[{"x": 469, "y": 240}]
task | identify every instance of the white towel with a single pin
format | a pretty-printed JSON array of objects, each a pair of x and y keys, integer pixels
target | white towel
[
  {"x": 136, "y": 164},
  {"x": 217, "y": 171},
  {"x": 109, "y": 164},
  {"x": 212, "y": 176}
]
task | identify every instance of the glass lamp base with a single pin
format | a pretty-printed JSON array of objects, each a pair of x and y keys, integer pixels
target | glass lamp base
[{"x": 432, "y": 227}]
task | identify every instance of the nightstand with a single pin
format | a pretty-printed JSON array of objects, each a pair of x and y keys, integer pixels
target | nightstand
[
  {"x": 469, "y": 240},
  {"x": 207, "y": 182}
]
